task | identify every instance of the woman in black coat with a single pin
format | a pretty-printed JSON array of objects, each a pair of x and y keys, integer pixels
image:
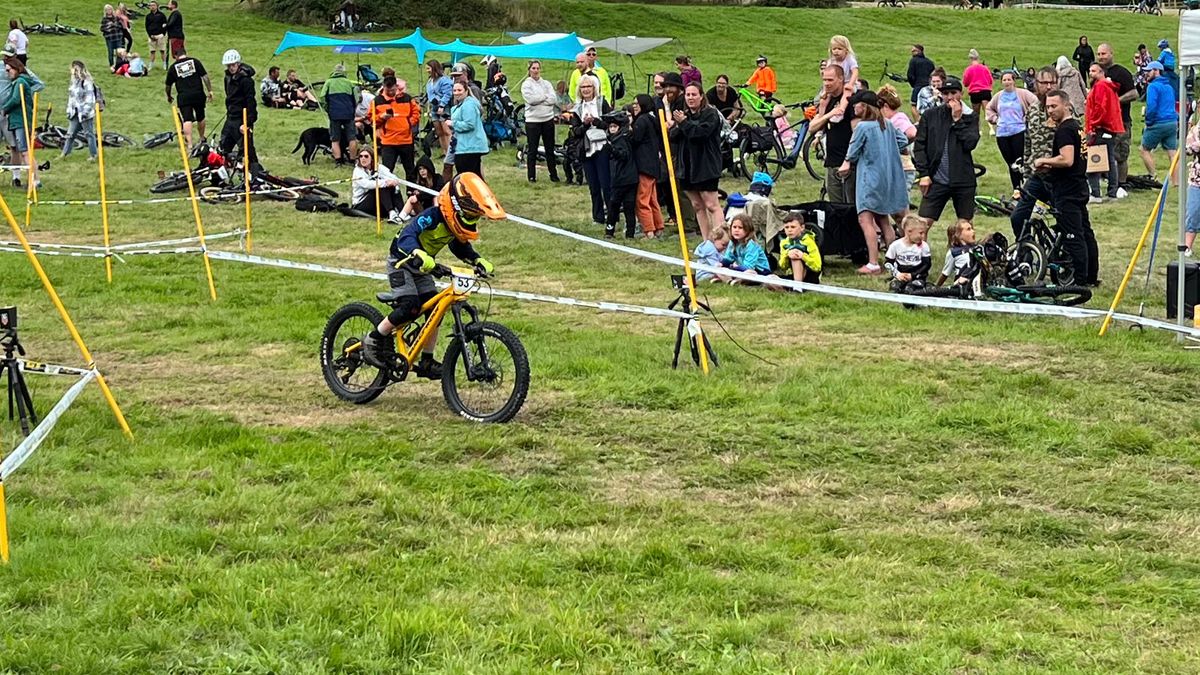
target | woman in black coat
[
  {"x": 700, "y": 130},
  {"x": 1084, "y": 55},
  {"x": 647, "y": 157}
]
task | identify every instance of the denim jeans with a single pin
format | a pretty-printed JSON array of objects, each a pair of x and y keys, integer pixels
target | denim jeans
[
  {"x": 1193, "y": 209},
  {"x": 1113, "y": 181},
  {"x": 74, "y": 128}
]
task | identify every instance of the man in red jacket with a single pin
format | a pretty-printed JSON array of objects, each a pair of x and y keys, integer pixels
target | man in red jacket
[
  {"x": 397, "y": 117},
  {"x": 1104, "y": 127}
]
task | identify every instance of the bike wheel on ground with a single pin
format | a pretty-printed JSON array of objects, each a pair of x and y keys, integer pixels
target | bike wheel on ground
[
  {"x": 486, "y": 378},
  {"x": 1029, "y": 260},
  {"x": 347, "y": 375},
  {"x": 1067, "y": 296},
  {"x": 115, "y": 140},
  {"x": 172, "y": 183}
]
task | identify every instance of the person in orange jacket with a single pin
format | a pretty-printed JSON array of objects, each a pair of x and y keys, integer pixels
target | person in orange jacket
[
  {"x": 763, "y": 79},
  {"x": 397, "y": 118}
]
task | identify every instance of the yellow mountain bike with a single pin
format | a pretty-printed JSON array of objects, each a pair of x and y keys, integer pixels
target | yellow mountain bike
[{"x": 485, "y": 371}]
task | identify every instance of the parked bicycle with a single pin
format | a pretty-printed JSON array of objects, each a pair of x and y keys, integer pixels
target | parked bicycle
[
  {"x": 1148, "y": 7},
  {"x": 1039, "y": 250},
  {"x": 762, "y": 148}
]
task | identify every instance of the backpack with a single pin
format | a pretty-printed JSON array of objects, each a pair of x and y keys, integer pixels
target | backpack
[
  {"x": 99, "y": 96},
  {"x": 617, "y": 82},
  {"x": 310, "y": 203}
]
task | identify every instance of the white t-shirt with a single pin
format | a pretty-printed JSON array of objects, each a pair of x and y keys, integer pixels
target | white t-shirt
[
  {"x": 903, "y": 257},
  {"x": 19, "y": 41}
]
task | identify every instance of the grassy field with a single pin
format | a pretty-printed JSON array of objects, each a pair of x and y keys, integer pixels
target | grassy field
[{"x": 896, "y": 491}]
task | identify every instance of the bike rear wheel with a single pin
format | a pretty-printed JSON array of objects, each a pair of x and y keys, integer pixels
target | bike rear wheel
[
  {"x": 814, "y": 156},
  {"x": 486, "y": 378},
  {"x": 348, "y": 376},
  {"x": 1029, "y": 259},
  {"x": 172, "y": 183},
  {"x": 1067, "y": 296}
]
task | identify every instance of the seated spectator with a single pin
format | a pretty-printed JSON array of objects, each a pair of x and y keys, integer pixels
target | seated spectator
[
  {"x": 744, "y": 254},
  {"x": 960, "y": 238},
  {"x": 137, "y": 66},
  {"x": 120, "y": 65},
  {"x": 710, "y": 251},
  {"x": 419, "y": 200},
  {"x": 799, "y": 257},
  {"x": 297, "y": 92},
  {"x": 909, "y": 258},
  {"x": 272, "y": 90},
  {"x": 370, "y": 179}
]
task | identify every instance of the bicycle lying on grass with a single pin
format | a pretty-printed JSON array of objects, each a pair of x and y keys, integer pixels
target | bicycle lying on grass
[
  {"x": 53, "y": 136},
  {"x": 226, "y": 181},
  {"x": 485, "y": 372},
  {"x": 55, "y": 28}
]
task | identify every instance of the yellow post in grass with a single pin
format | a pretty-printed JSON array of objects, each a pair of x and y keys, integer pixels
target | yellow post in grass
[
  {"x": 187, "y": 171},
  {"x": 30, "y": 118},
  {"x": 683, "y": 245},
  {"x": 375, "y": 151},
  {"x": 103, "y": 195},
  {"x": 246, "y": 178},
  {"x": 1137, "y": 252},
  {"x": 3, "y": 527},
  {"x": 66, "y": 317}
]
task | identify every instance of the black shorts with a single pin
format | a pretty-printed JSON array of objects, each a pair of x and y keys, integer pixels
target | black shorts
[
  {"x": 342, "y": 131},
  {"x": 191, "y": 111},
  {"x": 702, "y": 186},
  {"x": 934, "y": 202},
  {"x": 981, "y": 96}
]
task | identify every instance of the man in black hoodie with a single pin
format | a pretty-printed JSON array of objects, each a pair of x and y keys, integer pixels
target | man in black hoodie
[
  {"x": 919, "y": 70},
  {"x": 946, "y": 136},
  {"x": 240, "y": 94}
]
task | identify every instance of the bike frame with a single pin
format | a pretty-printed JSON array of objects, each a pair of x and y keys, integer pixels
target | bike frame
[{"x": 451, "y": 299}]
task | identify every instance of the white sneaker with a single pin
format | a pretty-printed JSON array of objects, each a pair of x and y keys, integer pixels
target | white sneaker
[
  {"x": 1187, "y": 253},
  {"x": 1095, "y": 200},
  {"x": 1121, "y": 193},
  {"x": 394, "y": 217}
]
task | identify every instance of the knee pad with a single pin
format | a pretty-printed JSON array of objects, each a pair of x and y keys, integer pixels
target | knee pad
[{"x": 405, "y": 310}]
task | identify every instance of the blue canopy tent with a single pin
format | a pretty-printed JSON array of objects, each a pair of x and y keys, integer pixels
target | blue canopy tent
[{"x": 563, "y": 49}]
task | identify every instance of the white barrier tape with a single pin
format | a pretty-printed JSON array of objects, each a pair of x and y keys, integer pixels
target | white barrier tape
[
  {"x": 517, "y": 295},
  {"x": 122, "y": 247},
  {"x": 68, "y": 254},
  {"x": 169, "y": 200},
  {"x": 31, "y": 442},
  {"x": 28, "y": 366},
  {"x": 10, "y": 167}
]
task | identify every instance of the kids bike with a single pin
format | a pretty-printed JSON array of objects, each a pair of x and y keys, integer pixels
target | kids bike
[{"x": 485, "y": 371}]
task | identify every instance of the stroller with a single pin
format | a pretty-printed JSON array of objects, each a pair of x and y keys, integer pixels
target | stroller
[{"x": 500, "y": 121}]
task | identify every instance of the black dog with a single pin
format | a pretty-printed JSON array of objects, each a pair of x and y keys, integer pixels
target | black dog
[{"x": 313, "y": 139}]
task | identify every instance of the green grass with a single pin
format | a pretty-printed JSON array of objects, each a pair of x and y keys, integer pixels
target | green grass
[{"x": 904, "y": 491}]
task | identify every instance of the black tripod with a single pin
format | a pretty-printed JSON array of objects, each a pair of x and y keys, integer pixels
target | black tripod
[
  {"x": 684, "y": 299},
  {"x": 18, "y": 393}
]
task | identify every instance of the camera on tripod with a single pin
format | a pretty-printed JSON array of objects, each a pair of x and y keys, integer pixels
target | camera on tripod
[
  {"x": 8, "y": 319},
  {"x": 19, "y": 401}
]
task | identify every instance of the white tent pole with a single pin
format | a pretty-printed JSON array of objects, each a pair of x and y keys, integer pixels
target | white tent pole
[{"x": 1181, "y": 188}]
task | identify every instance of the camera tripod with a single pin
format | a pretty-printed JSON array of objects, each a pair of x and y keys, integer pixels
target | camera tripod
[
  {"x": 684, "y": 300},
  {"x": 18, "y": 393}
]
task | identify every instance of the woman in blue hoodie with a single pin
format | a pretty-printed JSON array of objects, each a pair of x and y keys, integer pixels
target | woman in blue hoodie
[{"x": 470, "y": 140}]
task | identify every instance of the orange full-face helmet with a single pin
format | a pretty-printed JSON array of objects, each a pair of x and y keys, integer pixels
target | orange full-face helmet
[{"x": 463, "y": 201}]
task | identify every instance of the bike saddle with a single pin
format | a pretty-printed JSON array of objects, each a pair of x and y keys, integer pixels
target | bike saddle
[{"x": 390, "y": 297}]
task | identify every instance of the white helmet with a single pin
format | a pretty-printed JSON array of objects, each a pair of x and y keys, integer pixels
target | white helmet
[{"x": 231, "y": 57}]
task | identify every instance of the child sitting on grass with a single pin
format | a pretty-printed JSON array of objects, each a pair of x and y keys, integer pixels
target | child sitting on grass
[
  {"x": 909, "y": 259},
  {"x": 120, "y": 63},
  {"x": 961, "y": 238},
  {"x": 799, "y": 257},
  {"x": 744, "y": 254},
  {"x": 710, "y": 250},
  {"x": 137, "y": 66}
]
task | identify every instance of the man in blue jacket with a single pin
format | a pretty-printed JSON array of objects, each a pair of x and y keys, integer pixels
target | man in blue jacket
[{"x": 1161, "y": 117}]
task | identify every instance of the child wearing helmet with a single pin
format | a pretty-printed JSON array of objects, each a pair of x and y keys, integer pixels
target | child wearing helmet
[{"x": 451, "y": 222}]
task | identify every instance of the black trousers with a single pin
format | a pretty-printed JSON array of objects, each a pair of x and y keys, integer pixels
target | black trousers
[
  {"x": 1011, "y": 149},
  {"x": 471, "y": 161},
  {"x": 623, "y": 200},
  {"x": 387, "y": 202},
  {"x": 544, "y": 132},
  {"x": 231, "y": 137},
  {"x": 407, "y": 155},
  {"x": 1034, "y": 189},
  {"x": 1079, "y": 241}
]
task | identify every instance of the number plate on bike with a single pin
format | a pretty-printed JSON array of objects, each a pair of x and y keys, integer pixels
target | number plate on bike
[{"x": 463, "y": 283}]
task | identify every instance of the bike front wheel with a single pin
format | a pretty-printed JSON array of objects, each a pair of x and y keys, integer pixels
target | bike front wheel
[
  {"x": 348, "y": 376},
  {"x": 1067, "y": 296},
  {"x": 486, "y": 378},
  {"x": 1030, "y": 261}
]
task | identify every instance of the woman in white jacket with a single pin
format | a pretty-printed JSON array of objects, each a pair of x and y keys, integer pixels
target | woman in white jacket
[
  {"x": 81, "y": 110},
  {"x": 540, "y": 109},
  {"x": 369, "y": 178}
]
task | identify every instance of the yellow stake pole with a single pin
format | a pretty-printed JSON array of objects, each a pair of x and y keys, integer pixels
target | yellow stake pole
[
  {"x": 1137, "y": 252},
  {"x": 187, "y": 171},
  {"x": 103, "y": 196},
  {"x": 30, "y": 137},
  {"x": 246, "y": 176},
  {"x": 683, "y": 245},
  {"x": 66, "y": 317},
  {"x": 3, "y": 527},
  {"x": 375, "y": 149}
]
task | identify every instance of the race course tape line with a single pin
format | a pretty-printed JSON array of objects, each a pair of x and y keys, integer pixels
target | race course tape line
[
  {"x": 517, "y": 295},
  {"x": 125, "y": 247},
  {"x": 100, "y": 254},
  {"x": 31, "y": 442},
  {"x": 985, "y": 306},
  {"x": 169, "y": 200}
]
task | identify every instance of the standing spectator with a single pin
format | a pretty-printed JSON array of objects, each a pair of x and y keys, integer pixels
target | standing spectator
[
  {"x": 601, "y": 74},
  {"x": 946, "y": 136},
  {"x": 17, "y": 106},
  {"x": 81, "y": 110},
  {"x": 1141, "y": 59},
  {"x": 18, "y": 40},
  {"x": 110, "y": 28},
  {"x": 540, "y": 111},
  {"x": 1072, "y": 82},
  {"x": 587, "y": 125},
  {"x": 622, "y": 170},
  {"x": 438, "y": 91},
  {"x": 368, "y": 179},
  {"x": 1161, "y": 118},
  {"x": 671, "y": 87},
  {"x": 1007, "y": 112},
  {"x": 1166, "y": 58},
  {"x": 1030, "y": 78},
  {"x": 466, "y": 122},
  {"x": 699, "y": 127},
  {"x": 920, "y": 69},
  {"x": 122, "y": 14},
  {"x": 1083, "y": 55},
  {"x": 1039, "y": 138},
  {"x": 725, "y": 99},
  {"x": 838, "y": 188},
  {"x": 1104, "y": 127},
  {"x": 563, "y": 102},
  {"x": 397, "y": 117},
  {"x": 340, "y": 96},
  {"x": 880, "y": 190},
  {"x": 1193, "y": 191},
  {"x": 1127, "y": 93},
  {"x": 889, "y": 105},
  {"x": 931, "y": 95},
  {"x": 977, "y": 78},
  {"x": 347, "y": 14},
  {"x": 687, "y": 71},
  {"x": 156, "y": 30},
  {"x": 1066, "y": 170},
  {"x": 191, "y": 83},
  {"x": 461, "y": 72},
  {"x": 5, "y": 90},
  {"x": 647, "y": 144},
  {"x": 763, "y": 78},
  {"x": 175, "y": 29},
  {"x": 240, "y": 94}
]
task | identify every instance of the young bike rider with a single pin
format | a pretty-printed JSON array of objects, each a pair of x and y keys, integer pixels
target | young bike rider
[{"x": 452, "y": 221}]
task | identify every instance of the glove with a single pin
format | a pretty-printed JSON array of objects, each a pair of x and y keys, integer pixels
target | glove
[
  {"x": 425, "y": 262},
  {"x": 484, "y": 267}
]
